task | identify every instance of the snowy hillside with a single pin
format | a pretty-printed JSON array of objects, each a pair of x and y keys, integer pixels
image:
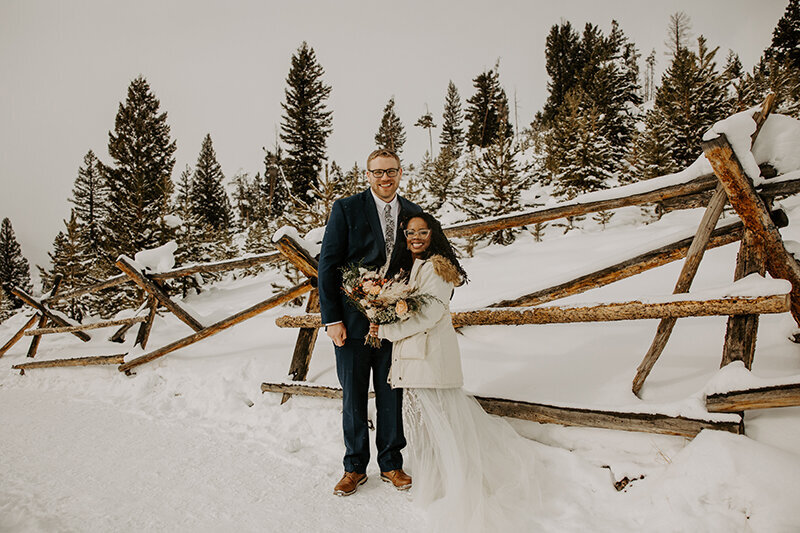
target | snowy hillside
[{"x": 189, "y": 443}]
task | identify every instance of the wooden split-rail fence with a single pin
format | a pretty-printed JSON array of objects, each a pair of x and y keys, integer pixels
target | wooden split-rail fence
[{"x": 761, "y": 250}]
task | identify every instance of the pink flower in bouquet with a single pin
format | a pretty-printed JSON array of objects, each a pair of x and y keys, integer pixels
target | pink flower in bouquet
[{"x": 374, "y": 290}]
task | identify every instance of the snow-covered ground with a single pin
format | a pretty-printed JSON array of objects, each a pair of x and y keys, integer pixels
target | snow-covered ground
[{"x": 189, "y": 443}]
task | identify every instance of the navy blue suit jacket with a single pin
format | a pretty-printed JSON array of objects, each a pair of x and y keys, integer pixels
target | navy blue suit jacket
[{"x": 353, "y": 235}]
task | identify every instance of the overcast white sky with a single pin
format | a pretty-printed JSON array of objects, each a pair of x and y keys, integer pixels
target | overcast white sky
[{"x": 220, "y": 68}]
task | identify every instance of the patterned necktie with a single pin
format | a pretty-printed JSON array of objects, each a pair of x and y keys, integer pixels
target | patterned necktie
[{"x": 389, "y": 237}]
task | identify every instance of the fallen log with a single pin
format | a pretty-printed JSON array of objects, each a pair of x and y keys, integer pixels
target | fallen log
[
  {"x": 250, "y": 312},
  {"x": 76, "y": 361},
  {"x": 84, "y": 327},
  {"x": 607, "y": 312},
  {"x": 758, "y": 398},
  {"x": 565, "y": 416}
]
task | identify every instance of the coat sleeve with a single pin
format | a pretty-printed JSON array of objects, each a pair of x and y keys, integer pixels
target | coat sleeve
[
  {"x": 331, "y": 259},
  {"x": 431, "y": 312}
]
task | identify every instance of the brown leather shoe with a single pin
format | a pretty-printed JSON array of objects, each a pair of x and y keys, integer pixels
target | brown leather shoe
[
  {"x": 398, "y": 478},
  {"x": 349, "y": 483}
]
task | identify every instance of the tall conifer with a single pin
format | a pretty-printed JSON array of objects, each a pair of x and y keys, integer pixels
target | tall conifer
[
  {"x": 487, "y": 112},
  {"x": 139, "y": 182},
  {"x": 306, "y": 122},
  {"x": 452, "y": 136},
  {"x": 14, "y": 268},
  {"x": 391, "y": 135}
]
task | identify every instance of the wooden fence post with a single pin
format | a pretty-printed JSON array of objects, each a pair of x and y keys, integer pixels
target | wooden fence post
[
  {"x": 149, "y": 286},
  {"x": 306, "y": 337},
  {"x": 754, "y": 214},
  {"x": 741, "y": 330},
  {"x": 43, "y": 319}
]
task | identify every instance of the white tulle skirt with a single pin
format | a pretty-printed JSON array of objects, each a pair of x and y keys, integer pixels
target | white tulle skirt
[{"x": 471, "y": 471}]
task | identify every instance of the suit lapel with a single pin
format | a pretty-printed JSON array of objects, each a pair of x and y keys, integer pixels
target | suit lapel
[{"x": 371, "y": 211}]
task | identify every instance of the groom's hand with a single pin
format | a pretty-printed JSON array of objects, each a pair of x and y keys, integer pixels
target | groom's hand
[{"x": 337, "y": 333}]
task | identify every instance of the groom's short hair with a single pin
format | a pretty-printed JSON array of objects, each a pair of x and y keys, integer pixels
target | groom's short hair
[{"x": 382, "y": 152}]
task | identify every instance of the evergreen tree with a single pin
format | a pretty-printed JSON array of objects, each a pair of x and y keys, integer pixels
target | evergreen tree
[
  {"x": 654, "y": 147},
  {"x": 355, "y": 180},
  {"x": 391, "y": 135},
  {"x": 452, "y": 136},
  {"x": 426, "y": 122},
  {"x": 306, "y": 123},
  {"x": 786, "y": 36},
  {"x": 440, "y": 178},
  {"x": 584, "y": 162},
  {"x": 90, "y": 196},
  {"x": 487, "y": 112},
  {"x": 14, "y": 268},
  {"x": 679, "y": 32},
  {"x": 492, "y": 185},
  {"x": 273, "y": 194},
  {"x": 691, "y": 99},
  {"x": 563, "y": 63},
  {"x": 210, "y": 205},
  {"x": 139, "y": 184},
  {"x": 69, "y": 260}
]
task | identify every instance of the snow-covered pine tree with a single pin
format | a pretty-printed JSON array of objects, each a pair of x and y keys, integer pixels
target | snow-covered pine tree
[
  {"x": 274, "y": 192},
  {"x": 439, "y": 179},
  {"x": 14, "y": 268},
  {"x": 691, "y": 98},
  {"x": 69, "y": 259},
  {"x": 426, "y": 122},
  {"x": 786, "y": 36},
  {"x": 653, "y": 151},
  {"x": 210, "y": 205},
  {"x": 563, "y": 64},
  {"x": 258, "y": 241},
  {"x": 487, "y": 112},
  {"x": 306, "y": 123},
  {"x": 452, "y": 135},
  {"x": 492, "y": 185},
  {"x": 355, "y": 180},
  {"x": 391, "y": 135},
  {"x": 89, "y": 197},
  {"x": 584, "y": 160},
  {"x": 139, "y": 182}
]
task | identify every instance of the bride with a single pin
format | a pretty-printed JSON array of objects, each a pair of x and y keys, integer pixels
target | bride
[{"x": 471, "y": 470}]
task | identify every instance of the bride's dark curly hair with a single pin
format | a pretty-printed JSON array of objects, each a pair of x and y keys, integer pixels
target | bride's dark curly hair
[{"x": 439, "y": 243}]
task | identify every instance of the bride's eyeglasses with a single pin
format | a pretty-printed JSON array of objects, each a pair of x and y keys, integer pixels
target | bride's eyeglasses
[{"x": 422, "y": 233}]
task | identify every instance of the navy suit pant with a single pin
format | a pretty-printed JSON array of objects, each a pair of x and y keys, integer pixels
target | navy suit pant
[{"x": 354, "y": 362}]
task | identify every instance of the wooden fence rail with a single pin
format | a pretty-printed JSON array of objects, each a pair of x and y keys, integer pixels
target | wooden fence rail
[
  {"x": 553, "y": 414},
  {"x": 607, "y": 312}
]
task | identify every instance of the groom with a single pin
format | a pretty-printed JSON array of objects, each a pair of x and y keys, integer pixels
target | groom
[{"x": 364, "y": 228}]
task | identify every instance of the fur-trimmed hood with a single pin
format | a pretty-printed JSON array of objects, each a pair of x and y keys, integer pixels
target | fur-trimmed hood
[{"x": 445, "y": 269}]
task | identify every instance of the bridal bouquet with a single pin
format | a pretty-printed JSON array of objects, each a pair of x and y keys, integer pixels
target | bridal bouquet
[{"x": 381, "y": 300}]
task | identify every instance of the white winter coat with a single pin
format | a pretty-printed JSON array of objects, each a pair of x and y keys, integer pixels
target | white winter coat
[{"x": 425, "y": 353}]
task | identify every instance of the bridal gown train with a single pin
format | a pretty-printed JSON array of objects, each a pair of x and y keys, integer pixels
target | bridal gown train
[{"x": 472, "y": 471}]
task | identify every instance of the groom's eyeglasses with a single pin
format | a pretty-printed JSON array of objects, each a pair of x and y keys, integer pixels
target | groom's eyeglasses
[
  {"x": 422, "y": 233},
  {"x": 379, "y": 172}
]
